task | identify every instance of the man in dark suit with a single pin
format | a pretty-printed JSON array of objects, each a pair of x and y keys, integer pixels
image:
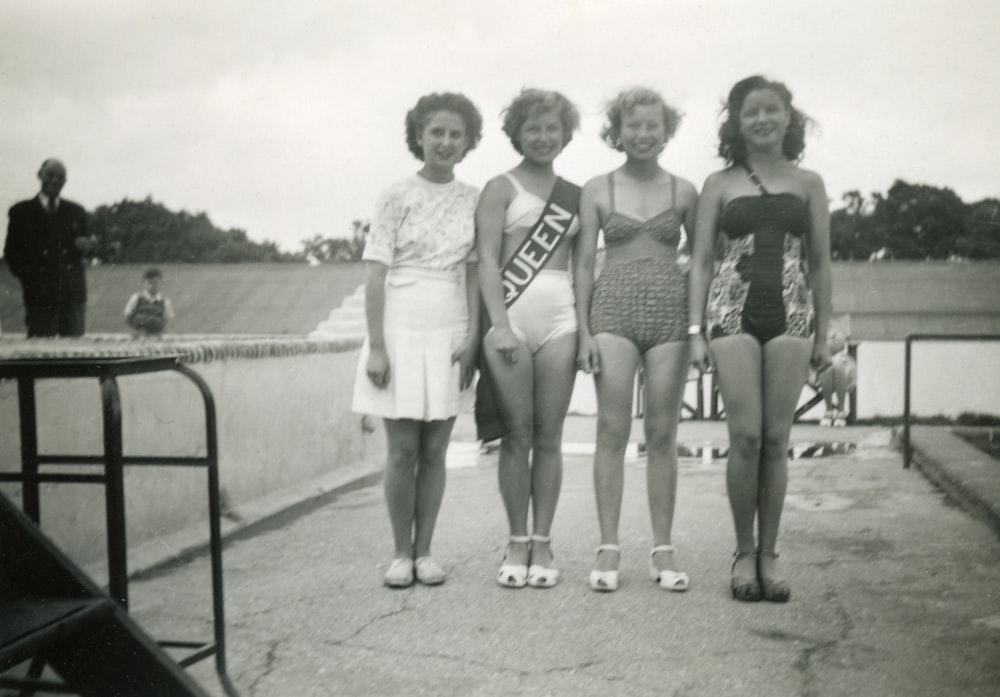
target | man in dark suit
[{"x": 47, "y": 245}]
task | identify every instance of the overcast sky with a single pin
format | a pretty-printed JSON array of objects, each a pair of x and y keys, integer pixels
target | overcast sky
[{"x": 285, "y": 118}]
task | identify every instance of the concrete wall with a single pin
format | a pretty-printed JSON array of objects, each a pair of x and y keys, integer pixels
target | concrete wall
[
  {"x": 283, "y": 419},
  {"x": 948, "y": 378}
]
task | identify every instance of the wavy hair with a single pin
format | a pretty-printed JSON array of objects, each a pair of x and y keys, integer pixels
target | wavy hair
[
  {"x": 732, "y": 149},
  {"x": 416, "y": 118},
  {"x": 531, "y": 102},
  {"x": 627, "y": 100}
]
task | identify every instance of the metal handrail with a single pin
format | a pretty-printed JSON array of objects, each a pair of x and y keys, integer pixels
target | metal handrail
[{"x": 907, "y": 450}]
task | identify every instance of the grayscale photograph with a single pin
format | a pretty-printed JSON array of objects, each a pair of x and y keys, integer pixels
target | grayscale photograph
[{"x": 468, "y": 349}]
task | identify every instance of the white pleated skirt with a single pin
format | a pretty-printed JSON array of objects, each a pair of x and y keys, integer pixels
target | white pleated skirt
[{"x": 426, "y": 319}]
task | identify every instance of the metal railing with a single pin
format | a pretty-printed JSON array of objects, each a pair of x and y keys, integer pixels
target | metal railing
[{"x": 910, "y": 339}]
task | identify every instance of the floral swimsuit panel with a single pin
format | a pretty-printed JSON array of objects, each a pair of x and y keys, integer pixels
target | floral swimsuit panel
[{"x": 761, "y": 288}]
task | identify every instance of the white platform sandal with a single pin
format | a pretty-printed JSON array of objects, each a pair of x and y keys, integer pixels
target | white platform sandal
[
  {"x": 542, "y": 576},
  {"x": 513, "y": 575},
  {"x": 676, "y": 581},
  {"x": 605, "y": 581}
]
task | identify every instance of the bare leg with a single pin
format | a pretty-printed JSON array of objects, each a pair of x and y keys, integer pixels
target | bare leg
[
  {"x": 403, "y": 444},
  {"x": 515, "y": 387},
  {"x": 786, "y": 366},
  {"x": 738, "y": 362},
  {"x": 843, "y": 377},
  {"x": 431, "y": 476},
  {"x": 555, "y": 372},
  {"x": 615, "y": 384},
  {"x": 840, "y": 384},
  {"x": 825, "y": 382},
  {"x": 665, "y": 369}
]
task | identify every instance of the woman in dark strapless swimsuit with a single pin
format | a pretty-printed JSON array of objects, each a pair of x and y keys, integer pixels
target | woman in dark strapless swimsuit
[
  {"x": 635, "y": 316},
  {"x": 765, "y": 310}
]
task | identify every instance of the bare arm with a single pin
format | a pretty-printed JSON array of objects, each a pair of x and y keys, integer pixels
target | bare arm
[
  {"x": 130, "y": 306},
  {"x": 377, "y": 368},
  {"x": 689, "y": 210},
  {"x": 472, "y": 292},
  {"x": 703, "y": 264},
  {"x": 819, "y": 267},
  {"x": 489, "y": 243},
  {"x": 584, "y": 256},
  {"x": 465, "y": 354}
]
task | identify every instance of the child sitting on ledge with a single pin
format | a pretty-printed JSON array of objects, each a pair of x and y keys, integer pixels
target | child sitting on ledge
[
  {"x": 839, "y": 380},
  {"x": 148, "y": 311}
]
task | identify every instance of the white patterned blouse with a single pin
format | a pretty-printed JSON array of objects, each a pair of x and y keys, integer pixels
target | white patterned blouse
[{"x": 423, "y": 225}]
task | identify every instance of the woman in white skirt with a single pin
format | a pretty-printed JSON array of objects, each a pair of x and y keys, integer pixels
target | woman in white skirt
[{"x": 421, "y": 297}]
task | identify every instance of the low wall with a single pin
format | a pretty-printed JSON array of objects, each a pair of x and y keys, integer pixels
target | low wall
[
  {"x": 283, "y": 411},
  {"x": 948, "y": 378}
]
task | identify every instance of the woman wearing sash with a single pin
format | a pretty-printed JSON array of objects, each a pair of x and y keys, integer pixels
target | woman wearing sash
[
  {"x": 531, "y": 347},
  {"x": 635, "y": 315},
  {"x": 422, "y": 307},
  {"x": 763, "y": 326}
]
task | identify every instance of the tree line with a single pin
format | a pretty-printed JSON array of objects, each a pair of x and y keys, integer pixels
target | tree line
[
  {"x": 147, "y": 232},
  {"x": 915, "y": 221},
  {"x": 909, "y": 221}
]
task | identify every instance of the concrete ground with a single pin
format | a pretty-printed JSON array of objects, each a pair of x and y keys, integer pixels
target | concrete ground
[{"x": 896, "y": 591}]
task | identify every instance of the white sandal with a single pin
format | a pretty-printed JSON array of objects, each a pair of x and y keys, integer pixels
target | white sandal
[
  {"x": 677, "y": 581},
  {"x": 513, "y": 575},
  {"x": 400, "y": 573},
  {"x": 605, "y": 581},
  {"x": 542, "y": 576},
  {"x": 428, "y": 571}
]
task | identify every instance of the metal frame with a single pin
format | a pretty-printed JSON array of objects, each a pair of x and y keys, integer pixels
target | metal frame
[
  {"x": 908, "y": 369},
  {"x": 107, "y": 371},
  {"x": 52, "y": 615}
]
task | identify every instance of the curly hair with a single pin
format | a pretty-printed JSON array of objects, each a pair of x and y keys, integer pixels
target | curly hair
[
  {"x": 732, "y": 149},
  {"x": 531, "y": 102},
  {"x": 417, "y": 117},
  {"x": 627, "y": 100}
]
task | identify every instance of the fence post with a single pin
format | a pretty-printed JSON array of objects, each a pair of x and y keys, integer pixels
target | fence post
[{"x": 906, "y": 402}]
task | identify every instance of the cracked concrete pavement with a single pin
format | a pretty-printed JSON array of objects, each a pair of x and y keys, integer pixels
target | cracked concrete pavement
[{"x": 895, "y": 592}]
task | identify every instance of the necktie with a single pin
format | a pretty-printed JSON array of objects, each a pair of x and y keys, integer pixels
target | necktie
[{"x": 52, "y": 206}]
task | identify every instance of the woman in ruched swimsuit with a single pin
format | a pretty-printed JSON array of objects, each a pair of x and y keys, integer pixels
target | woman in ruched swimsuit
[
  {"x": 635, "y": 314},
  {"x": 531, "y": 347},
  {"x": 422, "y": 308},
  {"x": 765, "y": 309}
]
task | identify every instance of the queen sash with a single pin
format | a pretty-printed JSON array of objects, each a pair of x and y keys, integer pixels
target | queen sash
[
  {"x": 538, "y": 246},
  {"x": 523, "y": 266}
]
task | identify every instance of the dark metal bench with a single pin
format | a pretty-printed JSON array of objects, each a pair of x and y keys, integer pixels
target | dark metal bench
[
  {"x": 37, "y": 468},
  {"x": 53, "y": 616}
]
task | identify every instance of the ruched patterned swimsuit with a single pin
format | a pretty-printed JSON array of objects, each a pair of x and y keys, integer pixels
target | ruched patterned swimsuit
[
  {"x": 761, "y": 287},
  {"x": 643, "y": 300}
]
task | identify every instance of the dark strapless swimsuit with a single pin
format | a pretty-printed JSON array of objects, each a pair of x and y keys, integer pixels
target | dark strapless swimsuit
[{"x": 761, "y": 287}]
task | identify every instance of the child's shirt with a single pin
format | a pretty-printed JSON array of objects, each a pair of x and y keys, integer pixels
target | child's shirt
[{"x": 148, "y": 313}]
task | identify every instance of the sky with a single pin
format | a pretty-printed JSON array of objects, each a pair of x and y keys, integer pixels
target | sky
[{"x": 285, "y": 119}]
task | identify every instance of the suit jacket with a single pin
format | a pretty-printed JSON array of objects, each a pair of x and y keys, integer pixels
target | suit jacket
[{"x": 41, "y": 251}]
